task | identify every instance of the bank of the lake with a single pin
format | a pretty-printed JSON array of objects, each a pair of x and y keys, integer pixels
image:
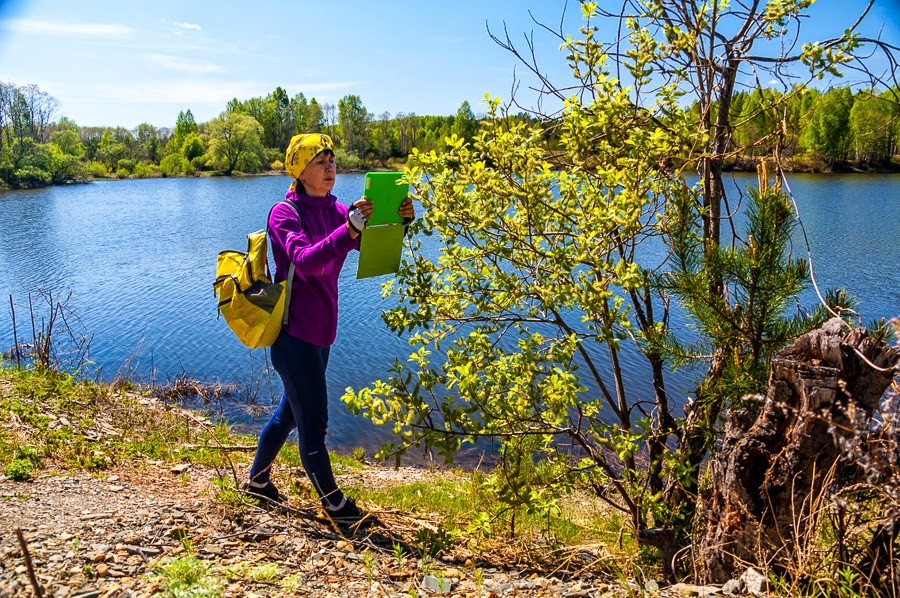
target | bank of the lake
[{"x": 117, "y": 493}]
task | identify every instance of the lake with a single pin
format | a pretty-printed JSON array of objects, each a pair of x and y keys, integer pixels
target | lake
[{"x": 138, "y": 257}]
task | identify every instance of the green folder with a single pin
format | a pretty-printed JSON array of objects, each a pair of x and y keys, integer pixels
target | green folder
[
  {"x": 380, "y": 250},
  {"x": 386, "y": 195},
  {"x": 382, "y": 241}
]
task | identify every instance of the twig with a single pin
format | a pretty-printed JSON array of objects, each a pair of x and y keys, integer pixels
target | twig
[
  {"x": 12, "y": 311},
  {"x": 38, "y": 590},
  {"x": 220, "y": 447}
]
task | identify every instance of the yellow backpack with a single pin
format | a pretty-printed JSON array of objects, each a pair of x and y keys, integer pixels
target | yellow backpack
[{"x": 255, "y": 308}]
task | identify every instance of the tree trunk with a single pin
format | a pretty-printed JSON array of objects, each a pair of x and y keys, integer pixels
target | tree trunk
[{"x": 770, "y": 473}]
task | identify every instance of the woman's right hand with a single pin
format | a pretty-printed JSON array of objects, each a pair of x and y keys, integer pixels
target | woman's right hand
[
  {"x": 360, "y": 212},
  {"x": 365, "y": 206}
]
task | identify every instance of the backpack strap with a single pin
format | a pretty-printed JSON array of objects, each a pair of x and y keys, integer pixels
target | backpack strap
[{"x": 290, "y": 276}]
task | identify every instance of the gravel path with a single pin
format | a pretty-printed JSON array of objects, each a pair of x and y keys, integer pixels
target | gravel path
[{"x": 102, "y": 537}]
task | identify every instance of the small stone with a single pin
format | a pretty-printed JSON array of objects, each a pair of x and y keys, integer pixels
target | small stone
[
  {"x": 116, "y": 488},
  {"x": 732, "y": 586},
  {"x": 178, "y": 531},
  {"x": 343, "y": 545},
  {"x": 180, "y": 468},
  {"x": 112, "y": 478},
  {"x": 754, "y": 582},
  {"x": 101, "y": 570},
  {"x": 431, "y": 583},
  {"x": 686, "y": 589},
  {"x": 651, "y": 586}
]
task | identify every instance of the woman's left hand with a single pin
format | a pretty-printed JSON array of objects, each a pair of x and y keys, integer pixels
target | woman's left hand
[{"x": 407, "y": 210}]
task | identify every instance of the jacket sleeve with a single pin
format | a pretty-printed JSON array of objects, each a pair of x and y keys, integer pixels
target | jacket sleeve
[{"x": 308, "y": 257}]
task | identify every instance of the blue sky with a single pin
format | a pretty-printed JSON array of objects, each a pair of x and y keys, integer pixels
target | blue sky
[{"x": 112, "y": 63}]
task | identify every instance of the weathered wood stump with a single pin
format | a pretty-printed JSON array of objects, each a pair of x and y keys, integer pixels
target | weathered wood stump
[{"x": 770, "y": 473}]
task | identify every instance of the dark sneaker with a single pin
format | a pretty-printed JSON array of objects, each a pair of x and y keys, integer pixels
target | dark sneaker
[
  {"x": 268, "y": 493},
  {"x": 350, "y": 514}
]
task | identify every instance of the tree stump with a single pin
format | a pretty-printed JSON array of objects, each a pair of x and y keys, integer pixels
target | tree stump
[{"x": 770, "y": 474}]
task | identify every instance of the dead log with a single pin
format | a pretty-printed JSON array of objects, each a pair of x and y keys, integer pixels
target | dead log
[{"x": 770, "y": 473}]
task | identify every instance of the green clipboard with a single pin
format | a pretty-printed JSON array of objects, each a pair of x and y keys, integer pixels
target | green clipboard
[
  {"x": 380, "y": 250},
  {"x": 386, "y": 195}
]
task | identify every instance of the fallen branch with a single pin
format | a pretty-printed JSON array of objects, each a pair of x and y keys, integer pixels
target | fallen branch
[{"x": 38, "y": 590}]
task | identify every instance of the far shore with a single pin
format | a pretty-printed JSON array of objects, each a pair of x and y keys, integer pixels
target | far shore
[{"x": 746, "y": 166}]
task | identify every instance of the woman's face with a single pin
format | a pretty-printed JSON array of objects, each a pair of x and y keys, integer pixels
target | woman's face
[{"x": 318, "y": 176}]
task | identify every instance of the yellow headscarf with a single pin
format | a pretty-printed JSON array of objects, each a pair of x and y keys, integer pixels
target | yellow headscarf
[{"x": 301, "y": 151}]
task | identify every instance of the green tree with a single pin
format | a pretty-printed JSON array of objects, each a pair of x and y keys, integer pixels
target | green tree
[
  {"x": 828, "y": 132},
  {"x": 66, "y": 142},
  {"x": 315, "y": 118},
  {"x": 235, "y": 142},
  {"x": 112, "y": 149},
  {"x": 382, "y": 136},
  {"x": 174, "y": 164},
  {"x": 184, "y": 126},
  {"x": 283, "y": 116},
  {"x": 300, "y": 109},
  {"x": 354, "y": 123},
  {"x": 871, "y": 127},
  {"x": 193, "y": 146},
  {"x": 26, "y": 115},
  {"x": 465, "y": 125},
  {"x": 147, "y": 138}
]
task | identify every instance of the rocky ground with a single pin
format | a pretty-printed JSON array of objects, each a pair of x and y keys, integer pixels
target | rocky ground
[{"x": 114, "y": 535}]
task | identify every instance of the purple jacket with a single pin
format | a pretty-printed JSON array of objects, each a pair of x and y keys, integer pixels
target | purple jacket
[{"x": 318, "y": 249}]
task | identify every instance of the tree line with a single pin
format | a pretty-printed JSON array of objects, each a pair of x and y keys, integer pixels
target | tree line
[
  {"x": 250, "y": 136},
  {"x": 818, "y": 130},
  {"x": 838, "y": 126}
]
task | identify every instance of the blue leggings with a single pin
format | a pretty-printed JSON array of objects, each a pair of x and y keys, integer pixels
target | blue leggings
[{"x": 304, "y": 405}]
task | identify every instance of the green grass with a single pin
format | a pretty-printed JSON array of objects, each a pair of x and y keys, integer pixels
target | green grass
[
  {"x": 189, "y": 576},
  {"x": 467, "y": 511},
  {"x": 72, "y": 424}
]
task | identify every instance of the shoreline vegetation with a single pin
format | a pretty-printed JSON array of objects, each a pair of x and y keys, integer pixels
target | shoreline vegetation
[{"x": 743, "y": 166}]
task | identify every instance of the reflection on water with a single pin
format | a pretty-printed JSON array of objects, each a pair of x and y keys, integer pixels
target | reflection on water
[{"x": 139, "y": 259}]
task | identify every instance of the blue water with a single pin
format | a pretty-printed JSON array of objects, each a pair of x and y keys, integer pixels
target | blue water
[{"x": 138, "y": 258}]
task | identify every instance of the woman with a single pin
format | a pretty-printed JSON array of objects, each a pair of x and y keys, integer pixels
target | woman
[{"x": 317, "y": 244}]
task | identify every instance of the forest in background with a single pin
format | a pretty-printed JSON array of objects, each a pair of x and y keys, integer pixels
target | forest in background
[{"x": 838, "y": 129}]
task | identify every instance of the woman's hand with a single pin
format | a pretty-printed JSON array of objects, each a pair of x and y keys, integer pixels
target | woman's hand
[
  {"x": 360, "y": 212},
  {"x": 365, "y": 206},
  {"x": 407, "y": 210}
]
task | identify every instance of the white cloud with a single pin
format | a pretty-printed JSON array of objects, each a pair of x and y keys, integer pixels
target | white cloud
[
  {"x": 193, "y": 26},
  {"x": 173, "y": 63},
  {"x": 35, "y": 27}
]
